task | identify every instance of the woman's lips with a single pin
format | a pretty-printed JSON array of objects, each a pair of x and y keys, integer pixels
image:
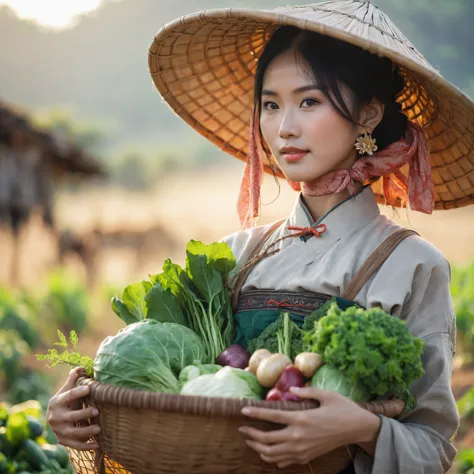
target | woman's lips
[{"x": 294, "y": 156}]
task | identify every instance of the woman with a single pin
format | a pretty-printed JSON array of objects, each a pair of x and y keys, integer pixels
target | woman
[{"x": 327, "y": 116}]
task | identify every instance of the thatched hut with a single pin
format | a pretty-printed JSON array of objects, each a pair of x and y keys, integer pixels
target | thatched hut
[{"x": 32, "y": 161}]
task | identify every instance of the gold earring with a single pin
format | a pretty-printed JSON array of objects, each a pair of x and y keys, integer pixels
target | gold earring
[{"x": 366, "y": 145}]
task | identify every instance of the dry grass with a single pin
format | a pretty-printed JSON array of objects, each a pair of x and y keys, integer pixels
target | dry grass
[{"x": 204, "y": 207}]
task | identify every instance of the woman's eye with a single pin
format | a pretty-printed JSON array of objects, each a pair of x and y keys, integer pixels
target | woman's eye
[
  {"x": 309, "y": 102},
  {"x": 267, "y": 105}
]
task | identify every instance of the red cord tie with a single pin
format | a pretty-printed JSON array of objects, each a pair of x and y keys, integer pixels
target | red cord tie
[{"x": 316, "y": 231}]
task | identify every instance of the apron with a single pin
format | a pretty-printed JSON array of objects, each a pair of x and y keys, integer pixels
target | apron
[
  {"x": 254, "y": 310},
  {"x": 257, "y": 309}
]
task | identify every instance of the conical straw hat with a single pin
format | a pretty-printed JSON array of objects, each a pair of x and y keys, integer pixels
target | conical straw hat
[{"x": 203, "y": 65}]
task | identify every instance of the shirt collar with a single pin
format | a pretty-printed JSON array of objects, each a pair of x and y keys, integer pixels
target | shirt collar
[{"x": 347, "y": 216}]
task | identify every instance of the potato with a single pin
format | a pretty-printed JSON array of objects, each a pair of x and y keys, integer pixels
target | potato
[
  {"x": 257, "y": 358},
  {"x": 308, "y": 363},
  {"x": 270, "y": 369}
]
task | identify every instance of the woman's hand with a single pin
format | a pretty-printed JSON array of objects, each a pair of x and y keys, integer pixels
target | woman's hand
[
  {"x": 64, "y": 411},
  {"x": 311, "y": 433}
]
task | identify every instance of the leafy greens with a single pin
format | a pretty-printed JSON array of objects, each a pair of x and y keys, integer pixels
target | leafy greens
[
  {"x": 194, "y": 296},
  {"x": 369, "y": 347}
]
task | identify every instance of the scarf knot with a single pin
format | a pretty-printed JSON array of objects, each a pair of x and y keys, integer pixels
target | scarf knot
[{"x": 412, "y": 150}]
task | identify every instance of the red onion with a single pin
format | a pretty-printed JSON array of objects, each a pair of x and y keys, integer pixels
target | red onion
[
  {"x": 274, "y": 395},
  {"x": 290, "y": 377},
  {"x": 234, "y": 356}
]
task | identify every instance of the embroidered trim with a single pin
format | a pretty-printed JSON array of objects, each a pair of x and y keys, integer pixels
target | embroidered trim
[{"x": 292, "y": 301}]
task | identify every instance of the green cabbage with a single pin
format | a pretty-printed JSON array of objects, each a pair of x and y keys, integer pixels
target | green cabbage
[
  {"x": 329, "y": 378},
  {"x": 192, "y": 371},
  {"x": 148, "y": 355},
  {"x": 228, "y": 383}
]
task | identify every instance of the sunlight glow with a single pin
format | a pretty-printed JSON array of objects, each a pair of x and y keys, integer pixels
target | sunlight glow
[{"x": 52, "y": 13}]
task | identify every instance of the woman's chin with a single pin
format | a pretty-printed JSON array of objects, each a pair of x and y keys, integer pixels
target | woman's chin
[{"x": 301, "y": 177}]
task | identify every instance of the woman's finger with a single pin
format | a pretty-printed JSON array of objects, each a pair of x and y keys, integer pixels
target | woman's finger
[
  {"x": 73, "y": 395},
  {"x": 278, "y": 459},
  {"x": 266, "y": 437},
  {"x": 277, "y": 416},
  {"x": 71, "y": 380},
  {"x": 275, "y": 450},
  {"x": 314, "y": 393},
  {"x": 81, "y": 432},
  {"x": 81, "y": 415}
]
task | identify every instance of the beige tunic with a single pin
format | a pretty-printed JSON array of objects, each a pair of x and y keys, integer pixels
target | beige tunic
[{"x": 413, "y": 285}]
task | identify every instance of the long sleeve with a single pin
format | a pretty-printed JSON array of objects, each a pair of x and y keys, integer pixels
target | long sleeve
[{"x": 419, "y": 441}]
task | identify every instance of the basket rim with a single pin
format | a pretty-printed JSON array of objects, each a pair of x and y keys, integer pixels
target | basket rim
[
  {"x": 208, "y": 406},
  {"x": 185, "y": 404}
]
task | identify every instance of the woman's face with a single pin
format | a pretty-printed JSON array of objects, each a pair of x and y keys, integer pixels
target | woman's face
[{"x": 305, "y": 133}]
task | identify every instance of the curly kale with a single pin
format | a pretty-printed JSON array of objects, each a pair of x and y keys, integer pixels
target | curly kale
[
  {"x": 370, "y": 347},
  {"x": 315, "y": 316},
  {"x": 282, "y": 336}
]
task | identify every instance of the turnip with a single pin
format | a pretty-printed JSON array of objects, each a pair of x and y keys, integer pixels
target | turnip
[
  {"x": 257, "y": 358},
  {"x": 308, "y": 363},
  {"x": 270, "y": 369}
]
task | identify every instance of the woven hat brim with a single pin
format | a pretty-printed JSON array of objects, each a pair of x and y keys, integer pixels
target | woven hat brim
[{"x": 203, "y": 65}]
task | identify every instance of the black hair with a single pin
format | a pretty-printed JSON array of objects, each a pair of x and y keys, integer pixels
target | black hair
[{"x": 331, "y": 62}]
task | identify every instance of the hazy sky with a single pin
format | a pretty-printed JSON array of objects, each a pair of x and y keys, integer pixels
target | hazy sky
[{"x": 53, "y": 13}]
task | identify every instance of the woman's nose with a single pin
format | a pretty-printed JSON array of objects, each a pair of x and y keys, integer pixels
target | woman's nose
[{"x": 288, "y": 126}]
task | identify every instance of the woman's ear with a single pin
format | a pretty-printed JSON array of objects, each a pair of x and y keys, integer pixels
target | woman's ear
[{"x": 370, "y": 116}]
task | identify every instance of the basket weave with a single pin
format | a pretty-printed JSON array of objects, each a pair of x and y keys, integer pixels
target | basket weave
[
  {"x": 155, "y": 433},
  {"x": 203, "y": 65}
]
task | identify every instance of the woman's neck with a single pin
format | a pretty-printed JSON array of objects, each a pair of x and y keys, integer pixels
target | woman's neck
[{"x": 318, "y": 206}]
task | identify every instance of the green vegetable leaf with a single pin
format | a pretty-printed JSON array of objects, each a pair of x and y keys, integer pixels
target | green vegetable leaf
[
  {"x": 219, "y": 255},
  {"x": 207, "y": 280},
  {"x": 282, "y": 336},
  {"x": 122, "y": 312},
  {"x": 163, "y": 306},
  {"x": 148, "y": 355},
  {"x": 134, "y": 299},
  {"x": 170, "y": 279},
  {"x": 62, "y": 340},
  {"x": 73, "y": 359},
  {"x": 73, "y": 339},
  {"x": 227, "y": 382}
]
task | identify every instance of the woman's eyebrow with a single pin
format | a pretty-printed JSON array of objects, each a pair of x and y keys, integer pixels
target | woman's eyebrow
[{"x": 299, "y": 90}]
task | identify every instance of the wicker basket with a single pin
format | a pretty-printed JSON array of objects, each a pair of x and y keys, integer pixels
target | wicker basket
[{"x": 155, "y": 433}]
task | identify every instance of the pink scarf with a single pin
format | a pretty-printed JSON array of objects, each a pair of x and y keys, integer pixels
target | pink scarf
[{"x": 411, "y": 150}]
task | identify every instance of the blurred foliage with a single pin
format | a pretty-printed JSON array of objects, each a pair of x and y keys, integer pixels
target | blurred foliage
[
  {"x": 65, "y": 303},
  {"x": 465, "y": 461},
  {"x": 462, "y": 291},
  {"x": 466, "y": 404},
  {"x": 28, "y": 320},
  {"x": 99, "y": 69}
]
